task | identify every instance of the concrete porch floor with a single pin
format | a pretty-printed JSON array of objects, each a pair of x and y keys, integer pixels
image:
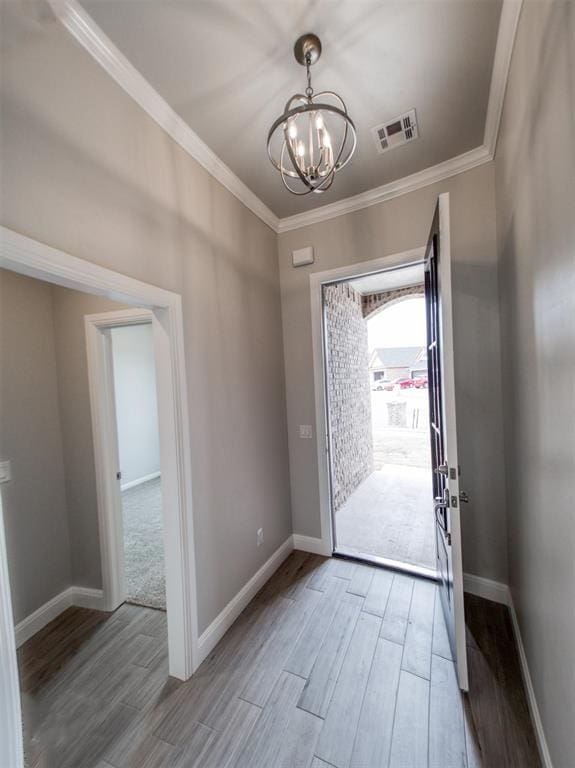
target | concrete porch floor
[{"x": 390, "y": 515}]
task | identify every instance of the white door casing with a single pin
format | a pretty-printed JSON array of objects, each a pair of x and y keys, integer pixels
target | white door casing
[{"x": 29, "y": 257}]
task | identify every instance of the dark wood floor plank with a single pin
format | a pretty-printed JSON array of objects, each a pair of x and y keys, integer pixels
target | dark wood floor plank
[
  {"x": 373, "y": 735},
  {"x": 394, "y": 624},
  {"x": 284, "y": 735},
  {"x": 336, "y": 740},
  {"x": 447, "y": 747},
  {"x": 319, "y": 688},
  {"x": 409, "y": 743},
  {"x": 419, "y": 634},
  {"x": 496, "y": 690},
  {"x": 378, "y": 593}
]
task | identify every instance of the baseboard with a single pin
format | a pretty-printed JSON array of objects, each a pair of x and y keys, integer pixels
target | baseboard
[
  {"x": 139, "y": 481},
  {"x": 80, "y": 596},
  {"x": 311, "y": 544},
  {"x": 224, "y": 620},
  {"x": 84, "y": 597},
  {"x": 528, "y": 683},
  {"x": 486, "y": 588}
]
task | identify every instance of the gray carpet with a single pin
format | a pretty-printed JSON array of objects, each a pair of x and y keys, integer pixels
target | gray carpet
[{"x": 144, "y": 545}]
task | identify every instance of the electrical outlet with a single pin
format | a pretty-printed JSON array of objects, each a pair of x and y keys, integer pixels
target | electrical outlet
[{"x": 260, "y": 535}]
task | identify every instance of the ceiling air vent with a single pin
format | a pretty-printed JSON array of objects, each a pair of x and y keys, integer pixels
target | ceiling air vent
[{"x": 398, "y": 131}]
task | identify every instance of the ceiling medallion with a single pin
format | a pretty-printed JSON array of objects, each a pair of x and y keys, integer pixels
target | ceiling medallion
[{"x": 315, "y": 137}]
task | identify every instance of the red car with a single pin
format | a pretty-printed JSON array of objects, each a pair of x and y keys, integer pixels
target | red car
[
  {"x": 420, "y": 382},
  {"x": 406, "y": 383}
]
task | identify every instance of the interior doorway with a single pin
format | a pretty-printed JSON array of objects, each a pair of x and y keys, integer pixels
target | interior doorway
[
  {"x": 375, "y": 337},
  {"x": 136, "y": 411}
]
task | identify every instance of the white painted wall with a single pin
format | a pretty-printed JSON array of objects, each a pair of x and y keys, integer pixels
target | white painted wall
[{"x": 136, "y": 405}]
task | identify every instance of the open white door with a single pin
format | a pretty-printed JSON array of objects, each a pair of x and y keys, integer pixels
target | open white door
[{"x": 443, "y": 427}]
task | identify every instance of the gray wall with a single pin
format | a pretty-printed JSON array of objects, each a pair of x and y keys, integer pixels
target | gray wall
[
  {"x": 34, "y": 502},
  {"x": 391, "y": 227},
  {"x": 535, "y": 172},
  {"x": 349, "y": 393},
  {"x": 136, "y": 404},
  {"x": 87, "y": 171}
]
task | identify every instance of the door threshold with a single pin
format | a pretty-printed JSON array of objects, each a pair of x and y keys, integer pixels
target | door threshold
[{"x": 386, "y": 562}]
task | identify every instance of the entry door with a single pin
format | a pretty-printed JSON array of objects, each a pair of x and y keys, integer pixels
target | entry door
[{"x": 443, "y": 430}]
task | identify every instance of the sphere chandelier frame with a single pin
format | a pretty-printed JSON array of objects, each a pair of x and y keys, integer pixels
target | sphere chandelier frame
[{"x": 313, "y": 163}]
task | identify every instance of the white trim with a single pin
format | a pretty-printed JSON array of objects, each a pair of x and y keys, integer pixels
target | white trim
[
  {"x": 530, "y": 690},
  {"x": 486, "y": 588},
  {"x": 316, "y": 281},
  {"x": 105, "y": 439},
  {"x": 224, "y": 620},
  {"x": 311, "y": 544},
  {"x": 403, "y": 186},
  {"x": 510, "y": 12},
  {"x": 11, "y": 742},
  {"x": 83, "y": 597},
  {"x": 30, "y": 257},
  {"x": 140, "y": 481},
  {"x": 85, "y": 30}
]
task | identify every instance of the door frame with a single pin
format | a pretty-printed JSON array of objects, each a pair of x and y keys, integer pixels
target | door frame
[
  {"x": 106, "y": 449},
  {"x": 317, "y": 280},
  {"x": 26, "y": 256}
]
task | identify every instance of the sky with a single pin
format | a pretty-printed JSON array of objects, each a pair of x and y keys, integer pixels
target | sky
[{"x": 401, "y": 325}]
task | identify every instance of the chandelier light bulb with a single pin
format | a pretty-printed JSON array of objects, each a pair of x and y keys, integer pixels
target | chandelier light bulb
[{"x": 308, "y": 155}]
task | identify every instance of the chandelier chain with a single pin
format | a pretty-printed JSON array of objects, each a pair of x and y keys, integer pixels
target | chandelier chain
[{"x": 309, "y": 89}]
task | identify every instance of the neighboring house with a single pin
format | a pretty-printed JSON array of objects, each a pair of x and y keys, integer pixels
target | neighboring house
[{"x": 389, "y": 363}]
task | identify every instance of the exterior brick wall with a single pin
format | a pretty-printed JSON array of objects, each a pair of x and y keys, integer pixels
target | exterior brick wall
[
  {"x": 348, "y": 390},
  {"x": 372, "y": 303}
]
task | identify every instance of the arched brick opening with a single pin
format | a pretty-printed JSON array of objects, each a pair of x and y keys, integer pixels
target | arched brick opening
[{"x": 374, "y": 303}]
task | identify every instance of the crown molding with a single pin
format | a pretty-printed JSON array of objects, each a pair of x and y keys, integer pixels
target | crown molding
[
  {"x": 455, "y": 165},
  {"x": 85, "y": 30},
  {"x": 508, "y": 22}
]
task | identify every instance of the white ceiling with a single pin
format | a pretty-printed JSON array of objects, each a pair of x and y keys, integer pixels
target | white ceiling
[{"x": 226, "y": 66}]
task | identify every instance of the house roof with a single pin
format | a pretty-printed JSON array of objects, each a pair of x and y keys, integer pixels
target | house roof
[{"x": 397, "y": 357}]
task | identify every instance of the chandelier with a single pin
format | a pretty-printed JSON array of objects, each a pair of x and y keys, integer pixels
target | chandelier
[{"x": 315, "y": 137}]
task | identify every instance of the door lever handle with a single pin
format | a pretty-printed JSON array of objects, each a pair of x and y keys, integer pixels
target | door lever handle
[
  {"x": 442, "y": 469},
  {"x": 464, "y": 497},
  {"x": 440, "y": 503}
]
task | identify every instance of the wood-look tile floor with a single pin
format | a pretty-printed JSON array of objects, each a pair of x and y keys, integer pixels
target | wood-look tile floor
[{"x": 332, "y": 664}]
